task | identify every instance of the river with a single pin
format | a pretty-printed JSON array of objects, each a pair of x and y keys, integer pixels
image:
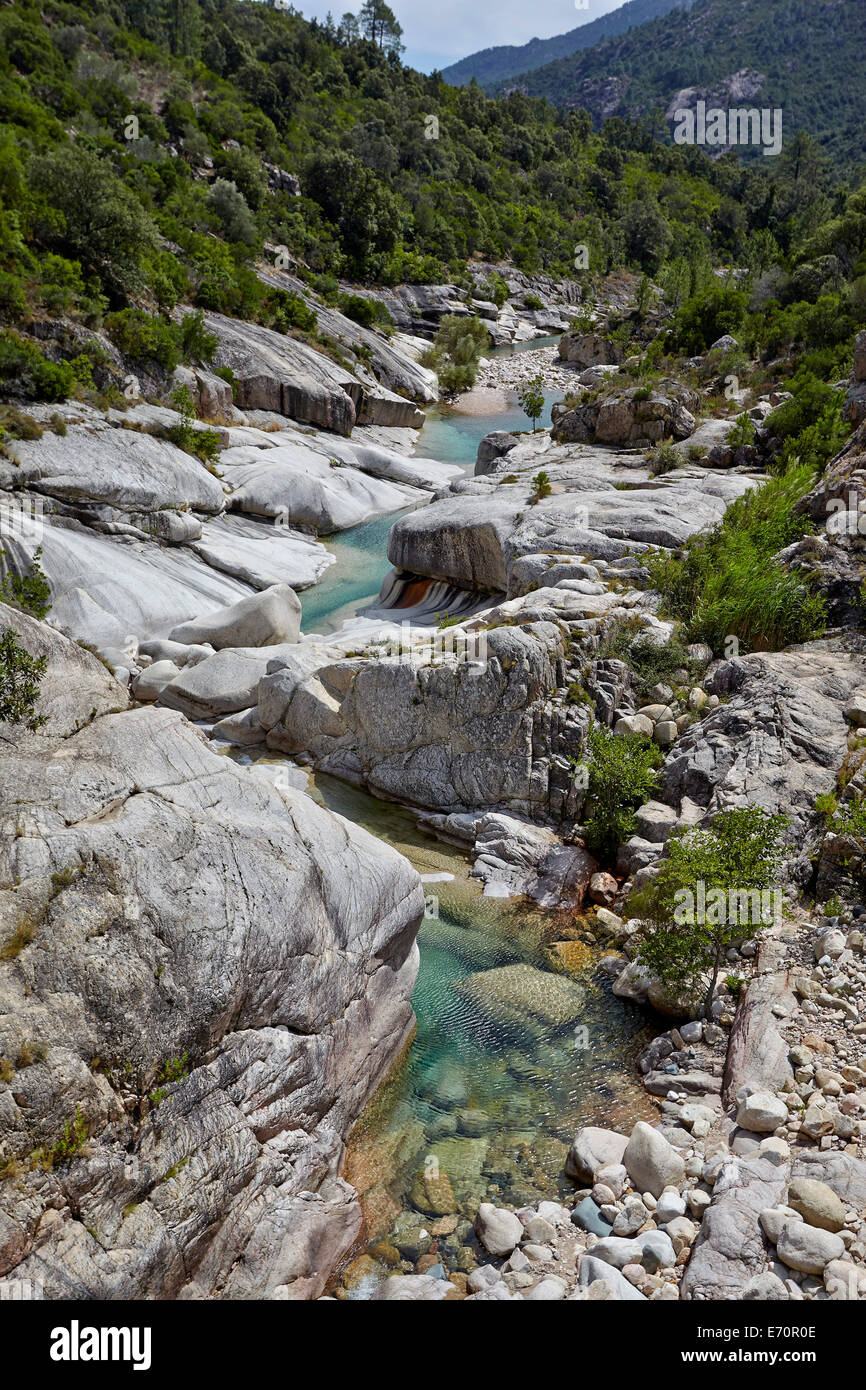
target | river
[{"x": 486, "y": 1098}]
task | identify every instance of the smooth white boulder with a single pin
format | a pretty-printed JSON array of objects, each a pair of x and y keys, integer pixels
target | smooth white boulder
[{"x": 261, "y": 620}]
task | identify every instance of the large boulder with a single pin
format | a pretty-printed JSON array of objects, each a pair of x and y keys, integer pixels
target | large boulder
[
  {"x": 817, "y": 1203},
  {"x": 651, "y": 1162},
  {"x": 588, "y": 349},
  {"x": 123, "y": 468},
  {"x": 492, "y": 449},
  {"x": 776, "y": 741},
  {"x": 627, "y": 418},
  {"x": 593, "y": 1148},
  {"x": 228, "y": 980},
  {"x": 523, "y": 997},
  {"x": 262, "y": 620},
  {"x": 808, "y": 1248},
  {"x": 762, "y": 1112},
  {"x": 730, "y": 1249},
  {"x": 498, "y": 1229}
]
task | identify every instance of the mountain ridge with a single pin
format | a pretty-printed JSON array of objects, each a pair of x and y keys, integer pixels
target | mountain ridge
[
  {"x": 504, "y": 61},
  {"x": 791, "y": 45}
]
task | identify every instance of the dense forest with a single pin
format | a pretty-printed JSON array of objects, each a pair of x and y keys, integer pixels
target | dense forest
[{"x": 149, "y": 153}]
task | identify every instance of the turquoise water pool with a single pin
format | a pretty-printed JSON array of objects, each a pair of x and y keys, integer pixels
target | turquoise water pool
[{"x": 450, "y": 436}]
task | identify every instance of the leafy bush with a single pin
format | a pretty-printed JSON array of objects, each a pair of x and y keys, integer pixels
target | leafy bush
[
  {"x": 364, "y": 310},
  {"x": 456, "y": 349},
  {"x": 649, "y": 661},
  {"x": 541, "y": 487},
  {"x": 728, "y": 584},
  {"x": 30, "y": 592},
  {"x": 622, "y": 776},
  {"x": 290, "y": 310},
  {"x": 230, "y": 206},
  {"x": 741, "y": 853},
  {"x": 741, "y": 433},
  {"x": 144, "y": 337},
  {"x": 707, "y": 316},
  {"x": 26, "y": 370},
  {"x": 204, "y": 444},
  {"x": 663, "y": 458},
  {"x": 20, "y": 677}
]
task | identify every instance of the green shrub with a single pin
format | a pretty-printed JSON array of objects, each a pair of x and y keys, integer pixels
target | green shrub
[
  {"x": 741, "y": 433},
  {"x": 650, "y": 662},
  {"x": 622, "y": 776},
  {"x": 197, "y": 343},
  {"x": 290, "y": 310},
  {"x": 728, "y": 583},
  {"x": 145, "y": 338},
  {"x": 22, "y": 364},
  {"x": 31, "y": 593},
  {"x": 364, "y": 310},
  {"x": 663, "y": 458},
  {"x": 541, "y": 487},
  {"x": 456, "y": 349},
  {"x": 707, "y": 316},
  {"x": 741, "y": 853},
  {"x": 20, "y": 677}
]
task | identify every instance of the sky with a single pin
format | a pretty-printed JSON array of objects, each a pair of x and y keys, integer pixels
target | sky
[{"x": 438, "y": 33}]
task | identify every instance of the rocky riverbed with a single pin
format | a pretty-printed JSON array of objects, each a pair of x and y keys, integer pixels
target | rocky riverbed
[{"x": 205, "y": 976}]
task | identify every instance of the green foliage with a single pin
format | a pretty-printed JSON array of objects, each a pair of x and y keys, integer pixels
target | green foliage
[
  {"x": 31, "y": 593},
  {"x": 458, "y": 344},
  {"x": 24, "y": 369},
  {"x": 850, "y": 818},
  {"x": 741, "y": 433},
  {"x": 650, "y": 662},
  {"x": 622, "y": 775},
  {"x": 368, "y": 312},
  {"x": 72, "y": 1141},
  {"x": 541, "y": 487},
  {"x": 826, "y": 804},
  {"x": 20, "y": 678},
  {"x": 232, "y": 211},
  {"x": 707, "y": 316},
  {"x": 742, "y": 852},
  {"x": 145, "y": 337},
  {"x": 810, "y": 423},
  {"x": 728, "y": 583},
  {"x": 290, "y": 311},
  {"x": 172, "y": 1071},
  {"x": 531, "y": 398},
  {"x": 663, "y": 458},
  {"x": 204, "y": 444},
  {"x": 101, "y": 223}
]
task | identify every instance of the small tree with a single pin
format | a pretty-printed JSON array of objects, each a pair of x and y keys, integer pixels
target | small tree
[
  {"x": 31, "y": 593},
  {"x": 456, "y": 349},
  {"x": 541, "y": 487},
  {"x": 531, "y": 398},
  {"x": 20, "y": 677},
  {"x": 693, "y": 906},
  {"x": 622, "y": 775}
]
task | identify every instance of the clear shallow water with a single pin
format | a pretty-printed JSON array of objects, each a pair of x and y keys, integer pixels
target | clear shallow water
[
  {"x": 492, "y": 1100},
  {"x": 449, "y": 436}
]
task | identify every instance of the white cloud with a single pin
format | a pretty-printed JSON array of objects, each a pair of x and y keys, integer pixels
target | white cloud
[{"x": 439, "y": 33}]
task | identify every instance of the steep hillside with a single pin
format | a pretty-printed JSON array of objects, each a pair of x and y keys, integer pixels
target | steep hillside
[
  {"x": 770, "y": 53},
  {"x": 508, "y": 60}
]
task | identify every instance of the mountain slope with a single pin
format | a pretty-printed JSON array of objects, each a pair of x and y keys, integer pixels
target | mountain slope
[
  {"x": 768, "y": 53},
  {"x": 509, "y": 60}
]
